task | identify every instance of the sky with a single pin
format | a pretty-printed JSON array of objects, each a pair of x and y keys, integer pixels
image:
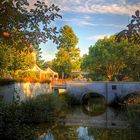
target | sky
[{"x": 90, "y": 20}]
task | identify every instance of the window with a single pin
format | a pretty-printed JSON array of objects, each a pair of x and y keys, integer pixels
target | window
[{"x": 114, "y": 87}]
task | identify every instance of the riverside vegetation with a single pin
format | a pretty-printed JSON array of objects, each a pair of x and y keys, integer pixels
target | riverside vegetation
[{"x": 17, "y": 119}]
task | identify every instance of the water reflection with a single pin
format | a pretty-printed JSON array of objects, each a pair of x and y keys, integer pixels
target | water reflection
[
  {"x": 97, "y": 122},
  {"x": 83, "y": 134},
  {"x": 48, "y": 136},
  {"x": 94, "y": 107}
]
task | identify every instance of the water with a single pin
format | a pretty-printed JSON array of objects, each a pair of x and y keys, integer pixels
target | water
[{"x": 94, "y": 121}]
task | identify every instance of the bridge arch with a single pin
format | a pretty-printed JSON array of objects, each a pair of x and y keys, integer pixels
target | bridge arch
[{"x": 88, "y": 95}]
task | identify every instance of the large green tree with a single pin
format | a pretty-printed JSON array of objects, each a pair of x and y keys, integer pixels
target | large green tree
[
  {"x": 132, "y": 61},
  {"x": 110, "y": 60},
  {"x": 68, "y": 56},
  {"x": 105, "y": 58}
]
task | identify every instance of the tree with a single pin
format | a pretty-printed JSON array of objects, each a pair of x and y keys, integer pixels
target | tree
[
  {"x": 21, "y": 29},
  {"x": 132, "y": 61},
  {"x": 15, "y": 15},
  {"x": 62, "y": 62},
  {"x": 68, "y": 38},
  {"x": 12, "y": 59},
  {"x": 105, "y": 58},
  {"x": 68, "y": 56},
  {"x": 111, "y": 60},
  {"x": 133, "y": 31}
]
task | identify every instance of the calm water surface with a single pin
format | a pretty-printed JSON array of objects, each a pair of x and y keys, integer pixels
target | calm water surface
[{"x": 95, "y": 121}]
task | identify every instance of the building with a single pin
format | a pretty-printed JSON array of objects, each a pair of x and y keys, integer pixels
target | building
[{"x": 37, "y": 72}]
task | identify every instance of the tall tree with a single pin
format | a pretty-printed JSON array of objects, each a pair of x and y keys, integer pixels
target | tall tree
[
  {"x": 62, "y": 62},
  {"x": 68, "y": 56}
]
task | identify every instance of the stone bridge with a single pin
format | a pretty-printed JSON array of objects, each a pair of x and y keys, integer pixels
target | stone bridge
[{"x": 109, "y": 90}]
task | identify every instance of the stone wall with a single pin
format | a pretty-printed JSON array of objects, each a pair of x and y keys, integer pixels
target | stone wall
[{"x": 22, "y": 91}]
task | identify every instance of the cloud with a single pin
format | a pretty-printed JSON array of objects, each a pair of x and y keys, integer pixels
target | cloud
[
  {"x": 84, "y": 22},
  {"x": 96, "y": 37},
  {"x": 97, "y": 6},
  {"x": 118, "y": 7}
]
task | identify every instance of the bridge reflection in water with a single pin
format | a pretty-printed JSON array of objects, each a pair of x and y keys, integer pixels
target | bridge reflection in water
[{"x": 104, "y": 117}]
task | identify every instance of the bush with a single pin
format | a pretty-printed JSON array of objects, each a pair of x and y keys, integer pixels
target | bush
[{"x": 35, "y": 110}]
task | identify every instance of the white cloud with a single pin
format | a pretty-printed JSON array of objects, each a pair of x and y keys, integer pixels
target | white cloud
[
  {"x": 96, "y": 37},
  {"x": 87, "y": 17},
  {"x": 96, "y": 6},
  {"x": 84, "y": 22}
]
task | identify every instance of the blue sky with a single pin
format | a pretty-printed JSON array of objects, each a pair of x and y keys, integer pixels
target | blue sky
[{"x": 91, "y": 20}]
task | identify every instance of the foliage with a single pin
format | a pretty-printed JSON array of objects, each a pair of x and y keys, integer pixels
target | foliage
[
  {"x": 68, "y": 38},
  {"x": 112, "y": 60},
  {"x": 15, "y": 117},
  {"x": 12, "y": 59},
  {"x": 133, "y": 31},
  {"x": 16, "y": 15},
  {"x": 105, "y": 58},
  {"x": 34, "y": 110},
  {"x": 132, "y": 60},
  {"x": 21, "y": 31},
  {"x": 68, "y": 56},
  {"x": 44, "y": 108}
]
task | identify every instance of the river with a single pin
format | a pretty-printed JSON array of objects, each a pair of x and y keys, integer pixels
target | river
[{"x": 95, "y": 121}]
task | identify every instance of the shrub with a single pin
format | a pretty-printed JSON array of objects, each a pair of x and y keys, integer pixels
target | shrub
[{"x": 34, "y": 110}]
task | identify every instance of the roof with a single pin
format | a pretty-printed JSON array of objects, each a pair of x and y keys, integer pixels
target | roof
[
  {"x": 50, "y": 71},
  {"x": 47, "y": 71}
]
